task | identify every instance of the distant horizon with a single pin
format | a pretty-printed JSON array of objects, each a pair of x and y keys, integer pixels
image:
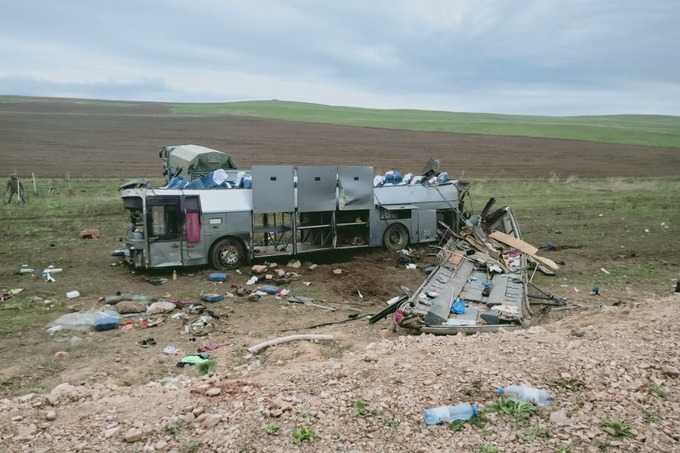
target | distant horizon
[{"x": 67, "y": 98}]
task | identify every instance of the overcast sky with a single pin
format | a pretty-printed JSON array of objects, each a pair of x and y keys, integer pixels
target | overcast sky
[{"x": 544, "y": 57}]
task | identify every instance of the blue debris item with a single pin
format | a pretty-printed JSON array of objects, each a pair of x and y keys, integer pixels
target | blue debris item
[
  {"x": 442, "y": 177},
  {"x": 429, "y": 269},
  {"x": 458, "y": 307},
  {"x": 393, "y": 177},
  {"x": 596, "y": 290},
  {"x": 176, "y": 183},
  {"x": 217, "y": 277},
  {"x": 106, "y": 323},
  {"x": 118, "y": 253},
  {"x": 269, "y": 289},
  {"x": 196, "y": 184},
  {"x": 212, "y": 297},
  {"x": 550, "y": 246}
]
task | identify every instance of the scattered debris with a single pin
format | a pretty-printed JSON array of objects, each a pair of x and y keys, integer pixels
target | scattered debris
[
  {"x": 308, "y": 301},
  {"x": 212, "y": 297},
  {"x": 128, "y": 306},
  {"x": 269, "y": 289},
  {"x": 212, "y": 347},
  {"x": 160, "y": 307},
  {"x": 11, "y": 293},
  {"x": 90, "y": 233},
  {"x": 170, "y": 350},
  {"x": 193, "y": 359},
  {"x": 217, "y": 277},
  {"x": 146, "y": 343},
  {"x": 259, "y": 269},
  {"x": 84, "y": 320},
  {"x": 480, "y": 283}
]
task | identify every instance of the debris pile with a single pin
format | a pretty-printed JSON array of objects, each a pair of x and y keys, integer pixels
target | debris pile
[{"x": 480, "y": 283}]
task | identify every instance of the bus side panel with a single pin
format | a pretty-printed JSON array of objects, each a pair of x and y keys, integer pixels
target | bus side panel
[
  {"x": 218, "y": 225},
  {"x": 377, "y": 228},
  {"x": 381, "y": 219},
  {"x": 426, "y": 230}
]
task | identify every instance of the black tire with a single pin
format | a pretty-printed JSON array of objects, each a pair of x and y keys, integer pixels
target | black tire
[
  {"x": 395, "y": 237},
  {"x": 227, "y": 254}
]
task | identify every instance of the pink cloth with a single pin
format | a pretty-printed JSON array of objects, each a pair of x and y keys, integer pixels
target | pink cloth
[
  {"x": 193, "y": 227},
  {"x": 398, "y": 317}
]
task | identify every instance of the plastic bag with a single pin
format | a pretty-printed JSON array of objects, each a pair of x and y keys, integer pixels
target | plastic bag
[{"x": 82, "y": 320}]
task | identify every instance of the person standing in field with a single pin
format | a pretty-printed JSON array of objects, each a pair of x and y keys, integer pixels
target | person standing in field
[{"x": 14, "y": 187}]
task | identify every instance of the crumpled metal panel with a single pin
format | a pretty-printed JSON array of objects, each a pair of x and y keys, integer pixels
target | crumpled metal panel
[{"x": 355, "y": 188}]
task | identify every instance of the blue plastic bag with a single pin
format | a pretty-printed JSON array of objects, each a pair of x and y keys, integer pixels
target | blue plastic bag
[{"x": 458, "y": 307}]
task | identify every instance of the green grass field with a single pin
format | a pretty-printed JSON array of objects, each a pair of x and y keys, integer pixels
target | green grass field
[{"x": 629, "y": 226}]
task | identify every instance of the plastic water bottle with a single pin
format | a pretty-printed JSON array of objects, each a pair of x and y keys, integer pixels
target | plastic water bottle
[
  {"x": 522, "y": 393},
  {"x": 447, "y": 414}
]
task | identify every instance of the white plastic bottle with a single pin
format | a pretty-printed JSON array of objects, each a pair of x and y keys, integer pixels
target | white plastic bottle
[
  {"x": 522, "y": 393},
  {"x": 447, "y": 414}
]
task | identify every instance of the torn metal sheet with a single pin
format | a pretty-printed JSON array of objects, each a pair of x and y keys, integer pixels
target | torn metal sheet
[{"x": 488, "y": 275}]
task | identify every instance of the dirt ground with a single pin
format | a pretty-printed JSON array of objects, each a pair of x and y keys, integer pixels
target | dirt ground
[{"x": 86, "y": 141}]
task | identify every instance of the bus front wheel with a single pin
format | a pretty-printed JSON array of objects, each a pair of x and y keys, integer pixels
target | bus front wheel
[{"x": 227, "y": 254}]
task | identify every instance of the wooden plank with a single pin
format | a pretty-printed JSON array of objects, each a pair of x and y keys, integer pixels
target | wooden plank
[
  {"x": 514, "y": 242},
  {"x": 547, "y": 261},
  {"x": 524, "y": 247},
  {"x": 456, "y": 258}
]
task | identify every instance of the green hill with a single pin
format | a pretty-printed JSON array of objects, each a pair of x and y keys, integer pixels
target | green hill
[
  {"x": 649, "y": 130},
  {"x": 645, "y": 130}
]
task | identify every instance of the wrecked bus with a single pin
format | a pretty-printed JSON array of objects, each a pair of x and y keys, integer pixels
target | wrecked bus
[{"x": 273, "y": 210}]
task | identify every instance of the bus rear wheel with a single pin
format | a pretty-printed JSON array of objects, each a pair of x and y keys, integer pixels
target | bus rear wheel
[
  {"x": 395, "y": 237},
  {"x": 227, "y": 254}
]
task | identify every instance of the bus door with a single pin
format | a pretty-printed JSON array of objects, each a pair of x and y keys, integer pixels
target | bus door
[{"x": 164, "y": 231}]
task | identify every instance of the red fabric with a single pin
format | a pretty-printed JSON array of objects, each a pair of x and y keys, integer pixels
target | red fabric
[
  {"x": 193, "y": 227},
  {"x": 212, "y": 347}
]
